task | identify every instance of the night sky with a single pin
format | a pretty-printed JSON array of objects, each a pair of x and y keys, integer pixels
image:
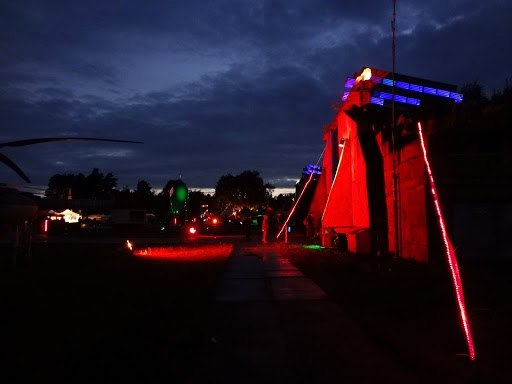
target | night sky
[{"x": 216, "y": 87}]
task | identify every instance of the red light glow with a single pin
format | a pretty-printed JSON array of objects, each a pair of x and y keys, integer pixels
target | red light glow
[
  {"x": 342, "y": 145},
  {"x": 192, "y": 230},
  {"x": 295, "y": 205},
  {"x": 297, "y": 202},
  {"x": 212, "y": 252},
  {"x": 46, "y": 226},
  {"x": 215, "y": 221},
  {"x": 450, "y": 253}
]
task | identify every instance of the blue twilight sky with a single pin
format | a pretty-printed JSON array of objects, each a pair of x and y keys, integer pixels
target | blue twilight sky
[{"x": 216, "y": 87}]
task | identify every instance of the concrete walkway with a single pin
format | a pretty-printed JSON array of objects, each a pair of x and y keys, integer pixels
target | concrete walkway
[{"x": 271, "y": 324}]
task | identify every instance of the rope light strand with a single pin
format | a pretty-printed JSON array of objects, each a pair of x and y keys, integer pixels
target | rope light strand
[
  {"x": 335, "y": 177},
  {"x": 450, "y": 253},
  {"x": 300, "y": 196}
]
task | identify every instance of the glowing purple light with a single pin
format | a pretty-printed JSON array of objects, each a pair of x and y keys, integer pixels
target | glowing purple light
[
  {"x": 400, "y": 99},
  {"x": 416, "y": 88},
  {"x": 430, "y": 91},
  {"x": 403, "y": 85},
  {"x": 376, "y": 100},
  {"x": 350, "y": 82},
  {"x": 413, "y": 101},
  {"x": 442, "y": 93},
  {"x": 456, "y": 96}
]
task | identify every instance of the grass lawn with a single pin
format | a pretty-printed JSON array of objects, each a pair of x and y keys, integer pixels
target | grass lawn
[
  {"x": 410, "y": 310},
  {"x": 93, "y": 312}
]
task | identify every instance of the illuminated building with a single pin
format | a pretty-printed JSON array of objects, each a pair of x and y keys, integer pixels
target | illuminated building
[{"x": 356, "y": 193}]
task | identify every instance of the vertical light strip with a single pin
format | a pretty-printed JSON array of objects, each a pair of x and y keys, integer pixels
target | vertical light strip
[
  {"x": 450, "y": 253},
  {"x": 295, "y": 205},
  {"x": 297, "y": 202},
  {"x": 335, "y": 177}
]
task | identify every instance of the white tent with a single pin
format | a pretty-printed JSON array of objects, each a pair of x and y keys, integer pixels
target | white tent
[{"x": 70, "y": 216}]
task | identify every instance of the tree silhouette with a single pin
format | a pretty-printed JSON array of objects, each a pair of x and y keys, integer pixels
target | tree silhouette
[
  {"x": 474, "y": 96},
  {"x": 246, "y": 190},
  {"x": 144, "y": 189},
  {"x": 94, "y": 186}
]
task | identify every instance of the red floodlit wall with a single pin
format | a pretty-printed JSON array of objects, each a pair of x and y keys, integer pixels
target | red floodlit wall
[
  {"x": 326, "y": 165},
  {"x": 412, "y": 200},
  {"x": 317, "y": 206},
  {"x": 413, "y": 203},
  {"x": 338, "y": 211},
  {"x": 346, "y": 208},
  {"x": 346, "y": 205},
  {"x": 387, "y": 159},
  {"x": 345, "y": 197}
]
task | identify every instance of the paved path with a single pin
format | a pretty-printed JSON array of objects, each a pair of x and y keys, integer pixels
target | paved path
[{"x": 271, "y": 324}]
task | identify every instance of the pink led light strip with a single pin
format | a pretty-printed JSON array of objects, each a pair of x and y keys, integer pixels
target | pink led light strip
[
  {"x": 450, "y": 253},
  {"x": 334, "y": 181},
  {"x": 300, "y": 196},
  {"x": 294, "y": 206}
]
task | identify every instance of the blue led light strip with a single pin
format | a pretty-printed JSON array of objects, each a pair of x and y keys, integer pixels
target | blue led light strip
[
  {"x": 400, "y": 99},
  {"x": 377, "y": 100},
  {"x": 350, "y": 82}
]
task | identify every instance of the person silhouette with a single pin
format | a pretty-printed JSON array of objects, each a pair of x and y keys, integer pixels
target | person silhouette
[
  {"x": 310, "y": 228},
  {"x": 265, "y": 227}
]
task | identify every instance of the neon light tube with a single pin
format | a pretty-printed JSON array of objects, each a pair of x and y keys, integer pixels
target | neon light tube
[
  {"x": 303, "y": 189},
  {"x": 334, "y": 181},
  {"x": 388, "y": 82},
  {"x": 294, "y": 206},
  {"x": 416, "y": 88},
  {"x": 450, "y": 253},
  {"x": 350, "y": 82},
  {"x": 376, "y": 100}
]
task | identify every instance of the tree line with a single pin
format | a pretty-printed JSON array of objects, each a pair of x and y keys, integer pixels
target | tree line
[{"x": 245, "y": 190}]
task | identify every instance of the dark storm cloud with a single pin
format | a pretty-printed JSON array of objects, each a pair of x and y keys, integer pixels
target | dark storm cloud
[
  {"x": 470, "y": 44},
  {"x": 215, "y": 87}
]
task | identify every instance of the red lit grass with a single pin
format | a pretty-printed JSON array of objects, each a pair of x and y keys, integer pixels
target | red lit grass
[{"x": 203, "y": 253}]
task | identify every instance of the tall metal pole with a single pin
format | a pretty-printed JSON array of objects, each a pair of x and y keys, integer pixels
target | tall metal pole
[{"x": 394, "y": 141}]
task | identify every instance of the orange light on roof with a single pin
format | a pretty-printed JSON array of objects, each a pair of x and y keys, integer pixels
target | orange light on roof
[{"x": 365, "y": 75}]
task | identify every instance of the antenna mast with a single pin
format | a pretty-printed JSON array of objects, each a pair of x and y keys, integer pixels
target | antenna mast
[{"x": 394, "y": 143}]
